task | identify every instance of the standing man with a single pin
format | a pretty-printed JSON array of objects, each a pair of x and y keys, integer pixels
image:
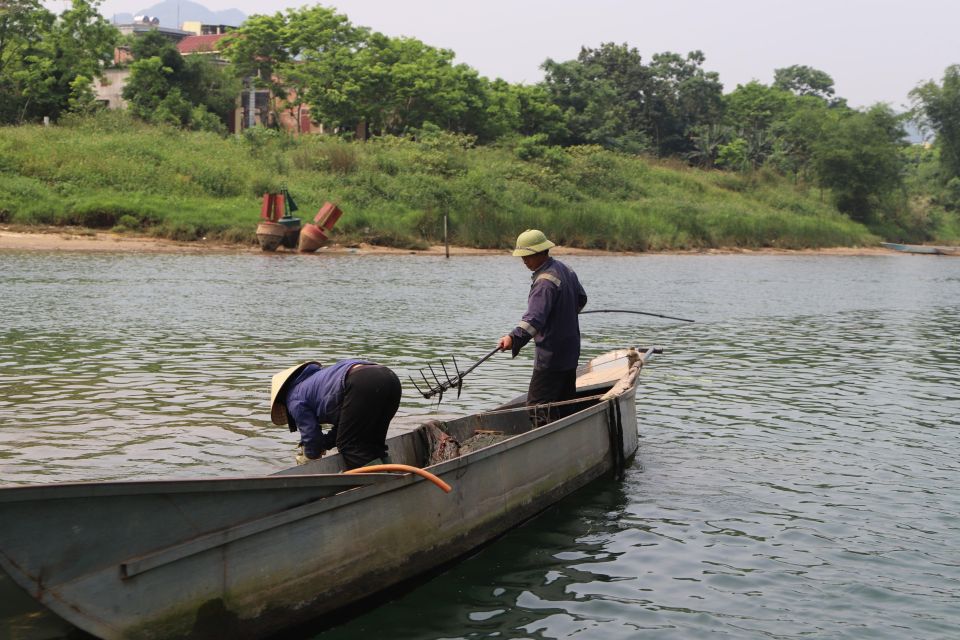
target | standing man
[
  {"x": 359, "y": 398},
  {"x": 555, "y": 299}
]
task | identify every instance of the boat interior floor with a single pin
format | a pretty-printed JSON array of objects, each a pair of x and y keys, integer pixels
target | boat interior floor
[{"x": 435, "y": 441}]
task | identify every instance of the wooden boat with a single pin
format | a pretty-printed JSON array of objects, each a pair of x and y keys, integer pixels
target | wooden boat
[
  {"x": 248, "y": 557},
  {"x": 926, "y": 249}
]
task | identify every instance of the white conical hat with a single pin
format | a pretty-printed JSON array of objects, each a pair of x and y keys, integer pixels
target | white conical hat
[{"x": 278, "y": 410}]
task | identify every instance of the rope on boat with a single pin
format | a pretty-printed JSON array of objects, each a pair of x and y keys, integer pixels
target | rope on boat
[
  {"x": 545, "y": 405},
  {"x": 402, "y": 468},
  {"x": 615, "y": 427}
]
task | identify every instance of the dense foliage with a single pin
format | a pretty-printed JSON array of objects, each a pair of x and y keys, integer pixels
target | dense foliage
[
  {"x": 166, "y": 88},
  {"x": 365, "y": 85},
  {"x": 937, "y": 109},
  {"x": 111, "y": 170},
  {"x": 46, "y": 62}
]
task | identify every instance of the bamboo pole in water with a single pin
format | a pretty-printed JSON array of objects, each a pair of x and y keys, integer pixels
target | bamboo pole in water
[{"x": 446, "y": 243}]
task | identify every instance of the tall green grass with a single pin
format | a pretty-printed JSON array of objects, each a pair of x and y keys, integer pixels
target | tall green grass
[{"x": 112, "y": 172}]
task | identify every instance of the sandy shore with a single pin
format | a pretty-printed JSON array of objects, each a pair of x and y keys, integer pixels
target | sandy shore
[{"x": 76, "y": 239}]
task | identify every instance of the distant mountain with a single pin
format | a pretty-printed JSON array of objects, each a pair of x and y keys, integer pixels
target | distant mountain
[{"x": 173, "y": 13}]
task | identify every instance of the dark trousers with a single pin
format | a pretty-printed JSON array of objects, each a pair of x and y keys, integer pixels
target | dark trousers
[
  {"x": 370, "y": 400},
  {"x": 551, "y": 386}
]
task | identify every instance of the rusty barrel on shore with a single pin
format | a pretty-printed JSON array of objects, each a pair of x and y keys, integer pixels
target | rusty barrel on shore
[
  {"x": 316, "y": 235},
  {"x": 312, "y": 238},
  {"x": 270, "y": 235}
]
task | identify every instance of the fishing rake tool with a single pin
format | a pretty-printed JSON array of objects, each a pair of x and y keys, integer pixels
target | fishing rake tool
[{"x": 455, "y": 381}]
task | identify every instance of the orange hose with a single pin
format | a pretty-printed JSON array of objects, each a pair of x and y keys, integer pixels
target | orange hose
[{"x": 384, "y": 468}]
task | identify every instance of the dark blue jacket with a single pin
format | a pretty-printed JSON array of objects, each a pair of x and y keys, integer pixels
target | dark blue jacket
[
  {"x": 555, "y": 299},
  {"x": 314, "y": 398}
]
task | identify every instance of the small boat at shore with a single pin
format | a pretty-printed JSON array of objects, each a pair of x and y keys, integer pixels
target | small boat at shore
[
  {"x": 922, "y": 249},
  {"x": 250, "y": 557}
]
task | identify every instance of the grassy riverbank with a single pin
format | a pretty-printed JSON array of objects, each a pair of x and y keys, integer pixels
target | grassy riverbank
[{"x": 114, "y": 173}]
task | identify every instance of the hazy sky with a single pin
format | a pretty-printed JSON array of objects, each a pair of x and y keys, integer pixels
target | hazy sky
[{"x": 875, "y": 50}]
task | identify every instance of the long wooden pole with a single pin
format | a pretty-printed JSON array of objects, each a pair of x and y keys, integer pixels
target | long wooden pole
[{"x": 446, "y": 243}]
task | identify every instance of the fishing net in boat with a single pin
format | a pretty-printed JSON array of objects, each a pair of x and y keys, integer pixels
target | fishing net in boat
[
  {"x": 481, "y": 439},
  {"x": 443, "y": 446}
]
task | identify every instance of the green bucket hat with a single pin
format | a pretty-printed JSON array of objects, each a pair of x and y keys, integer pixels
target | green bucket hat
[{"x": 530, "y": 242}]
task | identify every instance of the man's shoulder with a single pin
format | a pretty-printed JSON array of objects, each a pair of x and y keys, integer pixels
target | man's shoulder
[
  {"x": 560, "y": 268},
  {"x": 547, "y": 275}
]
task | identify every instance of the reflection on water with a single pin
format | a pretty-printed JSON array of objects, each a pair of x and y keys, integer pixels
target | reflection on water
[{"x": 797, "y": 474}]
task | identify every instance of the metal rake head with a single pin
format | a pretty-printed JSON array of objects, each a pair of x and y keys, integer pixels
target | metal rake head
[{"x": 437, "y": 387}]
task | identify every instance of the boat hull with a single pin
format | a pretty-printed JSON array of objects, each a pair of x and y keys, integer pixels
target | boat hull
[
  {"x": 923, "y": 249},
  {"x": 251, "y": 557}
]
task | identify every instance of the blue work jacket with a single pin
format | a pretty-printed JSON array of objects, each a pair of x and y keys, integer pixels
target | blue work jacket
[
  {"x": 315, "y": 398},
  {"x": 556, "y": 297}
]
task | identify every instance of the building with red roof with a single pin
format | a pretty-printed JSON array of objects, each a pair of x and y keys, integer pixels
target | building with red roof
[{"x": 200, "y": 44}]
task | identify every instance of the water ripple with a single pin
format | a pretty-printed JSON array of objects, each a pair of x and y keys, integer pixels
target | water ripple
[{"x": 797, "y": 474}]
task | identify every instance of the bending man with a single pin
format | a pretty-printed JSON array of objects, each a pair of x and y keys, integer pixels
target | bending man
[{"x": 357, "y": 397}]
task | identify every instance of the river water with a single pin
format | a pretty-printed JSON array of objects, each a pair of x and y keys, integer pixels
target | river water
[{"x": 797, "y": 476}]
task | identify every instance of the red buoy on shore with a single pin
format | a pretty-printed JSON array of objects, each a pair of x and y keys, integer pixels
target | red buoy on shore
[{"x": 314, "y": 236}]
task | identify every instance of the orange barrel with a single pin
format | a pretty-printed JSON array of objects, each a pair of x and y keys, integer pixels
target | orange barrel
[
  {"x": 270, "y": 235},
  {"x": 327, "y": 216},
  {"x": 312, "y": 238}
]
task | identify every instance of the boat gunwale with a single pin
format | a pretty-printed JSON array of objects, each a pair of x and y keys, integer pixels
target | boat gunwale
[
  {"x": 274, "y": 481},
  {"x": 102, "y": 489},
  {"x": 372, "y": 485},
  {"x": 216, "y": 538}
]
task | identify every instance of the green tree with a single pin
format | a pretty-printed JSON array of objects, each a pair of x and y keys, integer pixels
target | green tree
[
  {"x": 210, "y": 86},
  {"x": 683, "y": 96},
  {"x": 173, "y": 109},
  {"x": 937, "y": 108},
  {"x": 756, "y": 112},
  {"x": 23, "y": 25},
  {"x": 601, "y": 96},
  {"x": 802, "y": 80},
  {"x": 755, "y": 106},
  {"x": 858, "y": 157},
  {"x": 357, "y": 80},
  {"x": 82, "y": 100},
  {"x": 609, "y": 97},
  {"x": 147, "y": 86},
  {"x": 707, "y": 139},
  {"x": 154, "y": 44},
  {"x": 425, "y": 86},
  {"x": 538, "y": 114},
  {"x": 794, "y": 135},
  {"x": 167, "y": 88},
  {"x": 259, "y": 47},
  {"x": 80, "y": 43},
  {"x": 734, "y": 155},
  {"x": 517, "y": 108},
  {"x": 41, "y": 56},
  {"x": 293, "y": 53}
]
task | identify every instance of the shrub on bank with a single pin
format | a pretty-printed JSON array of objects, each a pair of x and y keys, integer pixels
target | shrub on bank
[{"x": 106, "y": 172}]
